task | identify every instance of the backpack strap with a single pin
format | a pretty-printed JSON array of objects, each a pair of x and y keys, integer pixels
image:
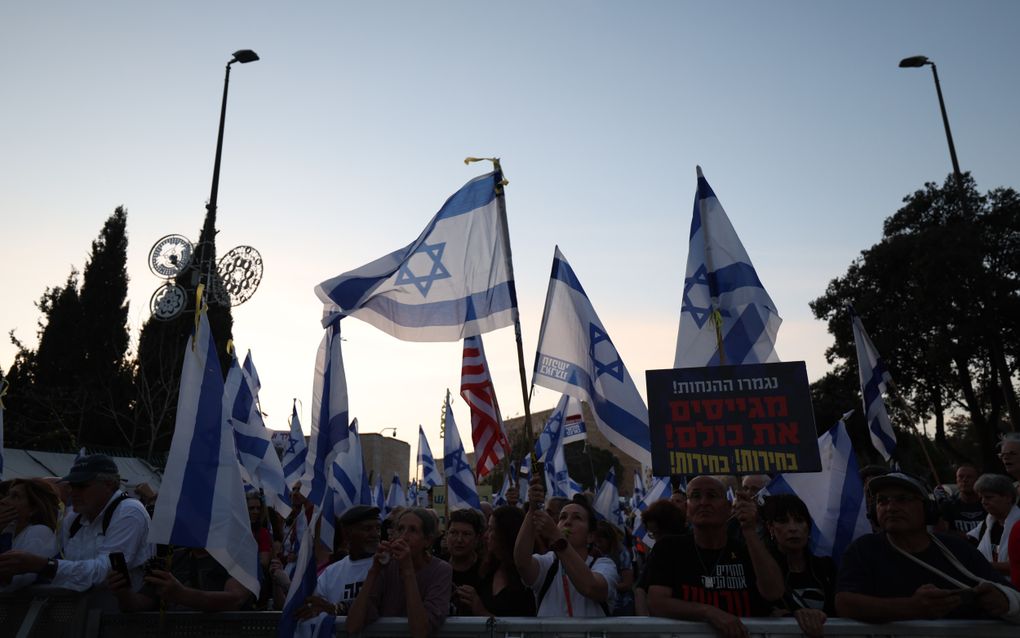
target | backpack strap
[
  {"x": 547, "y": 583},
  {"x": 603, "y": 605},
  {"x": 107, "y": 515}
]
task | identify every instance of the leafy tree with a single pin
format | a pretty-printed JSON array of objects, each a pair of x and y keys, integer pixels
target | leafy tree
[{"x": 939, "y": 296}]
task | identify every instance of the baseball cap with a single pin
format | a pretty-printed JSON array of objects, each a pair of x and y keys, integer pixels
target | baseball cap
[
  {"x": 899, "y": 479},
  {"x": 358, "y": 513},
  {"x": 89, "y": 467}
]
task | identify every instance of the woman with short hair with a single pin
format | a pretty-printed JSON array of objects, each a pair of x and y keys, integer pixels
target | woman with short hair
[{"x": 998, "y": 497}]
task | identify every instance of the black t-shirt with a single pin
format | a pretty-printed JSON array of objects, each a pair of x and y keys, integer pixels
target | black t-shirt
[
  {"x": 962, "y": 517},
  {"x": 469, "y": 576},
  {"x": 513, "y": 600},
  {"x": 814, "y": 588},
  {"x": 197, "y": 571},
  {"x": 872, "y": 566},
  {"x": 721, "y": 578}
]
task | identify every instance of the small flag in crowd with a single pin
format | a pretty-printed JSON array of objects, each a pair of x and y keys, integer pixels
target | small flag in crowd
[
  {"x": 330, "y": 426},
  {"x": 607, "y": 500},
  {"x": 201, "y": 503},
  {"x": 396, "y": 496},
  {"x": 874, "y": 377},
  {"x": 348, "y": 479},
  {"x": 378, "y": 498},
  {"x": 577, "y": 357},
  {"x": 549, "y": 450},
  {"x": 260, "y": 465},
  {"x": 834, "y": 496},
  {"x": 452, "y": 282},
  {"x": 302, "y": 585},
  {"x": 659, "y": 490},
  {"x": 723, "y": 298},
  {"x": 294, "y": 454},
  {"x": 523, "y": 478},
  {"x": 430, "y": 475},
  {"x": 487, "y": 430},
  {"x": 460, "y": 480},
  {"x": 639, "y": 488}
]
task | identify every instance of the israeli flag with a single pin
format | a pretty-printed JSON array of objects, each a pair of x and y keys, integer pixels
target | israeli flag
[
  {"x": 721, "y": 288},
  {"x": 658, "y": 491},
  {"x": 330, "y": 427},
  {"x": 396, "y": 497},
  {"x": 639, "y": 488},
  {"x": 577, "y": 357},
  {"x": 347, "y": 479},
  {"x": 500, "y": 497},
  {"x": 523, "y": 478},
  {"x": 454, "y": 281},
  {"x": 607, "y": 500},
  {"x": 834, "y": 496},
  {"x": 201, "y": 502},
  {"x": 296, "y": 452},
  {"x": 430, "y": 472},
  {"x": 461, "y": 491},
  {"x": 412, "y": 493},
  {"x": 260, "y": 465},
  {"x": 874, "y": 377},
  {"x": 378, "y": 498},
  {"x": 302, "y": 585},
  {"x": 3, "y": 391},
  {"x": 549, "y": 450}
]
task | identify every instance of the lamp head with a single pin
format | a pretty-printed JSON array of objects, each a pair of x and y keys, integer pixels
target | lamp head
[
  {"x": 914, "y": 61},
  {"x": 244, "y": 56}
]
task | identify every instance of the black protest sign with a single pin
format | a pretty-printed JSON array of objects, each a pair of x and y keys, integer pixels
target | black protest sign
[{"x": 746, "y": 419}]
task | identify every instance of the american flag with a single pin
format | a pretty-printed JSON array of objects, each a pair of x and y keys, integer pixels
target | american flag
[{"x": 487, "y": 430}]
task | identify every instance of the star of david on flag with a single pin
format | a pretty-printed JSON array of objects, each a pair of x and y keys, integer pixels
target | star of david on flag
[
  {"x": 453, "y": 282},
  {"x": 874, "y": 376},
  {"x": 461, "y": 491},
  {"x": 294, "y": 455},
  {"x": 576, "y": 356},
  {"x": 721, "y": 285},
  {"x": 430, "y": 472}
]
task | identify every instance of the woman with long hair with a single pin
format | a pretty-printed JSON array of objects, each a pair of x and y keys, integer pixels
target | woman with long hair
[
  {"x": 30, "y": 509},
  {"x": 500, "y": 591},
  {"x": 810, "y": 580}
]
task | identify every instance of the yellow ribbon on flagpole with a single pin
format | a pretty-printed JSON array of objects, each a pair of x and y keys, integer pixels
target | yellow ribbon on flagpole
[
  {"x": 200, "y": 307},
  {"x": 495, "y": 163}
]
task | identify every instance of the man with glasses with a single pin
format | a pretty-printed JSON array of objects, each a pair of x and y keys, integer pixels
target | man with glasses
[
  {"x": 105, "y": 521},
  {"x": 904, "y": 572},
  {"x": 1009, "y": 454}
]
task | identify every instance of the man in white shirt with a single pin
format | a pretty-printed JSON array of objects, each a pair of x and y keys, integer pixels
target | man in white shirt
[{"x": 106, "y": 521}]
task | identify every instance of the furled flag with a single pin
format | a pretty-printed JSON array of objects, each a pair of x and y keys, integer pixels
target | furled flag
[
  {"x": 607, "y": 500},
  {"x": 576, "y": 356},
  {"x": 378, "y": 498},
  {"x": 430, "y": 475},
  {"x": 461, "y": 491},
  {"x": 639, "y": 488},
  {"x": 396, "y": 496},
  {"x": 260, "y": 465},
  {"x": 412, "y": 493},
  {"x": 723, "y": 298},
  {"x": 3, "y": 391},
  {"x": 487, "y": 430},
  {"x": 523, "y": 478},
  {"x": 302, "y": 585},
  {"x": 330, "y": 427},
  {"x": 834, "y": 496},
  {"x": 500, "y": 497},
  {"x": 452, "y": 282},
  {"x": 294, "y": 454},
  {"x": 201, "y": 503},
  {"x": 874, "y": 379},
  {"x": 658, "y": 491},
  {"x": 549, "y": 450}
]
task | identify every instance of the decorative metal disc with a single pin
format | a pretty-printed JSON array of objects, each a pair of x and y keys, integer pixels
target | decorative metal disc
[
  {"x": 167, "y": 302},
  {"x": 170, "y": 256},
  {"x": 240, "y": 271}
]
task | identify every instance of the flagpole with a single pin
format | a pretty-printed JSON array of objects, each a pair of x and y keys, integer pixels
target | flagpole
[
  {"x": 501, "y": 208},
  {"x": 894, "y": 391}
]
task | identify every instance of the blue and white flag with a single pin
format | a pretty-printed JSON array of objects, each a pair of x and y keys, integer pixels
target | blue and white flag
[
  {"x": 302, "y": 585},
  {"x": 639, "y": 488},
  {"x": 721, "y": 285},
  {"x": 523, "y": 478},
  {"x": 874, "y": 377},
  {"x": 430, "y": 475},
  {"x": 330, "y": 426},
  {"x": 461, "y": 491},
  {"x": 378, "y": 498},
  {"x": 454, "y": 281},
  {"x": 607, "y": 500},
  {"x": 549, "y": 450},
  {"x": 658, "y": 491},
  {"x": 412, "y": 493},
  {"x": 296, "y": 452},
  {"x": 201, "y": 503},
  {"x": 396, "y": 497},
  {"x": 348, "y": 479},
  {"x": 834, "y": 496},
  {"x": 500, "y": 497},
  {"x": 577, "y": 357},
  {"x": 260, "y": 465},
  {"x": 3, "y": 391}
]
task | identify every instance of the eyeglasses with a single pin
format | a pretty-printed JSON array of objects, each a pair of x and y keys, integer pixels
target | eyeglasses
[
  {"x": 1007, "y": 455},
  {"x": 899, "y": 499}
]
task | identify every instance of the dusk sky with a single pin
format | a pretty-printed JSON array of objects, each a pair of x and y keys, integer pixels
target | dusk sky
[{"x": 349, "y": 133}]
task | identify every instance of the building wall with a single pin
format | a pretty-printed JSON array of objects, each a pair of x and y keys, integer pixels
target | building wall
[{"x": 385, "y": 455}]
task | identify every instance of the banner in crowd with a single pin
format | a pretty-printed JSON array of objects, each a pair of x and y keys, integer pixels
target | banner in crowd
[{"x": 744, "y": 419}]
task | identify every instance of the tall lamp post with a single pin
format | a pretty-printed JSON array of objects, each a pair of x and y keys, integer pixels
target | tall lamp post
[
  {"x": 243, "y": 56},
  {"x": 919, "y": 61}
]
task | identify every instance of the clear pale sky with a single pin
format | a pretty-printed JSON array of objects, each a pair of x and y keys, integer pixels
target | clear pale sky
[{"x": 349, "y": 134}]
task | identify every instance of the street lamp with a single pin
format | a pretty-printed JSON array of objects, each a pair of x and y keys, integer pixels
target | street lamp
[
  {"x": 244, "y": 56},
  {"x": 919, "y": 61}
]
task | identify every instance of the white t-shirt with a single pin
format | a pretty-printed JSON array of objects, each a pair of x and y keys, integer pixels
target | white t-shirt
[
  {"x": 340, "y": 582},
  {"x": 555, "y": 603},
  {"x": 34, "y": 539}
]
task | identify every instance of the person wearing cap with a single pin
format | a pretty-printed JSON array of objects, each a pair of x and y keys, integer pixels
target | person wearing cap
[
  {"x": 105, "y": 521},
  {"x": 338, "y": 585},
  {"x": 904, "y": 572}
]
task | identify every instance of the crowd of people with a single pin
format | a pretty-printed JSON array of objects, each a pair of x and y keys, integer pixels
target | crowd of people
[{"x": 720, "y": 551}]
